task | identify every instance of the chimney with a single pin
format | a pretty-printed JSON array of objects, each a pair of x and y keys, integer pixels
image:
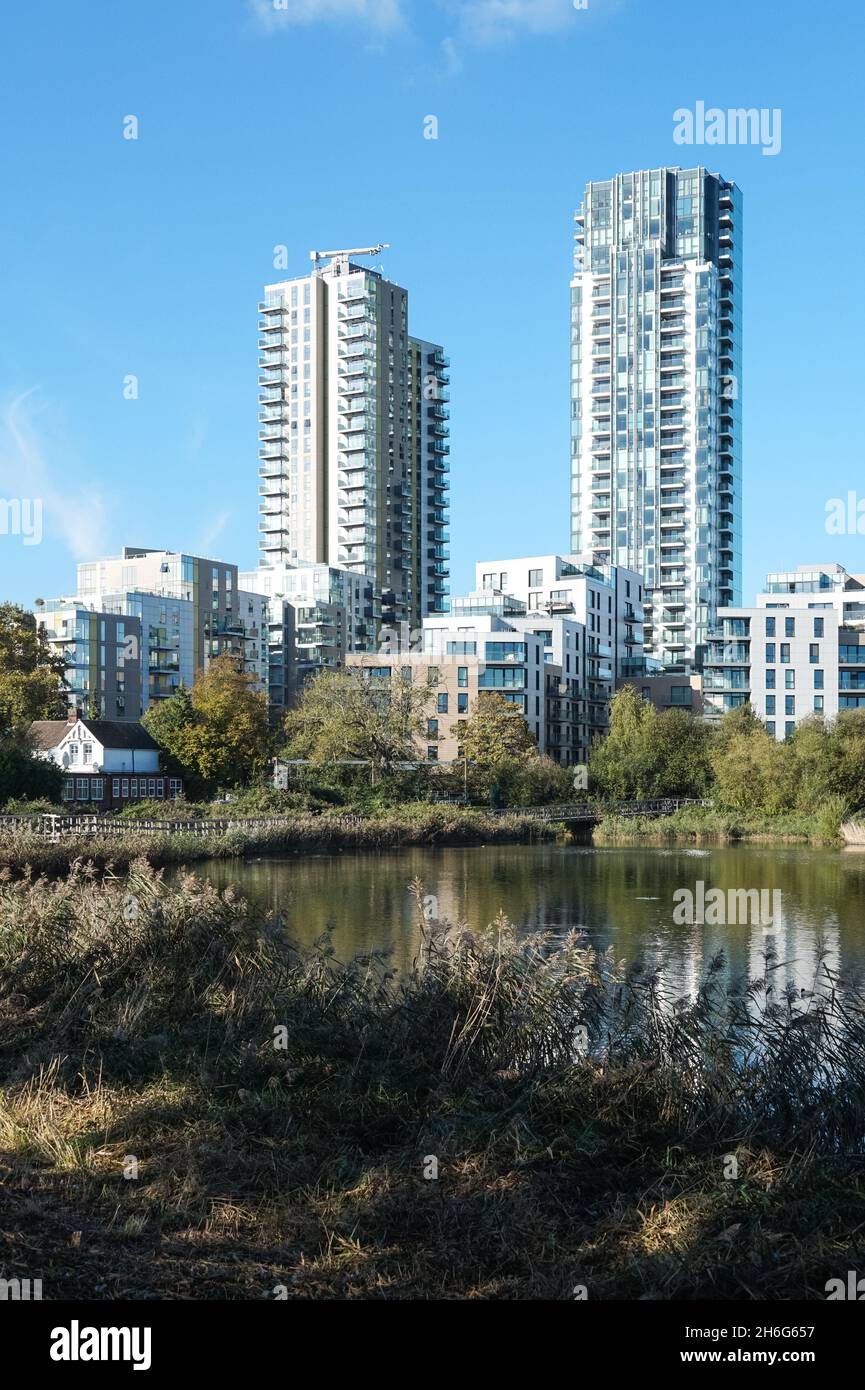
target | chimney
[{"x": 72, "y": 715}]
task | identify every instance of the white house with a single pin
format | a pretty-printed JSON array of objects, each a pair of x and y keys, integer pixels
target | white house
[{"x": 109, "y": 761}]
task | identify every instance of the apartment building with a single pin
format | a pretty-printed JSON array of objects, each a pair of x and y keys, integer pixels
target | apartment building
[
  {"x": 190, "y": 610},
  {"x": 799, "y": 652},
  {"x": 666, "y": 690},
  {"x": 605, "y": 601},
  {"x": 317, "y": 615},
  {"x": 459, "y": 664},
  {"x": 539, "y": 662},
  {"x": 353, "y": 435},
  {"x": 656, "y": 392},
  {"x": 101, "y": 654}
]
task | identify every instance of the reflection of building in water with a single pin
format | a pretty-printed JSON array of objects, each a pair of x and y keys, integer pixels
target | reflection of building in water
[
  {"x": 805, "y": 954},
  {"x": 797, "y": 944}
]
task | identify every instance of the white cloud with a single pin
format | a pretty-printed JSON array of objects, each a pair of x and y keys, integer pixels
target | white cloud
[
  {"x": 452, "y": 57},
  {"x": 381, "y": 15},
  {"x": 489, "y": 21},
  {"x": 72, "y": 512},
  {"x": 212, "y": 530}
]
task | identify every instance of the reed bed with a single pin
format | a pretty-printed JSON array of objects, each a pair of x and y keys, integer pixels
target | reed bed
[
  {"x": 193, "y": 1107},
  {"x": 322, "y": 834}
]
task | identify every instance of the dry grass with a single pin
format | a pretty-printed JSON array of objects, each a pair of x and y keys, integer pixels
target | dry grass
[
  {"x": 137, "y": 1021},
  {"x": 410, "y": 825}
]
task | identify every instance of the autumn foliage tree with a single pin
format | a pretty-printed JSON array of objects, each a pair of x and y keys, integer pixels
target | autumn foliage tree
[
  {"x": 218, "y": 731},
  {"x": 31, "y": 674},
  {"x": 346, "y": 715}
]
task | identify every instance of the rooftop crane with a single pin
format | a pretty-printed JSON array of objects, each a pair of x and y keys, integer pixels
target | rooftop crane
[{"x": 344, "y": 255}]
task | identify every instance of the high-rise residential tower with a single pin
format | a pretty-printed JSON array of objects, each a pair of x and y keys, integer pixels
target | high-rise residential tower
[
  {"x": 656, "y": 388},
  {"x": 353, "y": 453}
]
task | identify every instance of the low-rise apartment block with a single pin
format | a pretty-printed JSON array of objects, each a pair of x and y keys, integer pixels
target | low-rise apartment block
[
  {"x": 101, "y": 652},
  {"x": 189, "y": 610},
  {"x": 318, "y": 613},
  {"x": 459, "y": 664},
  {"x": 605, "y": 600},
  {"x": 799, "y": 652},
  {"x": 553, "y": 664}
]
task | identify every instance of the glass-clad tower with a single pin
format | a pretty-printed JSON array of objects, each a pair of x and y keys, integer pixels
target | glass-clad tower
[{"x": 656, "y": 395}]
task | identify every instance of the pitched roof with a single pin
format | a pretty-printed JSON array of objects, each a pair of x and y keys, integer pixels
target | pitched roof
[
  {"x": 111, "y": 733},
  {"x": 47, "y": 733}
]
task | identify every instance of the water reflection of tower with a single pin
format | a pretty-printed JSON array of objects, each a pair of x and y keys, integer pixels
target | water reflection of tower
[{"x": 796, "y": 943}]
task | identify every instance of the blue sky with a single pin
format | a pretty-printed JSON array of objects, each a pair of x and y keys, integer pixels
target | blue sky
[{"x": 304, "y": 126}]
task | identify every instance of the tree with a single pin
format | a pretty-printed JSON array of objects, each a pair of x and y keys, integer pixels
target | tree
[
  {"x": 219, "y": 733},
  {"x": 31, "y": 674},
  {"x": 347, "y": 714},
  {"x": 167, "y": 721},
  {"x": 496, "y": 730},
  {"x": 617, "y": 765},
  {"x": 23, "y": 775},
  {"x": 753, "y": 771},
  {"x": 847, "y": 757},
  {"x": 650, "y": 754}
]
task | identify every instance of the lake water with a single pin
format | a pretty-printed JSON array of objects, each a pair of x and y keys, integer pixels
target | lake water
[{"x": 620, "y": 897}]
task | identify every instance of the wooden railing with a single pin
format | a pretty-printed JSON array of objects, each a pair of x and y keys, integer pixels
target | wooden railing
[{"x": 54, "y": 827}]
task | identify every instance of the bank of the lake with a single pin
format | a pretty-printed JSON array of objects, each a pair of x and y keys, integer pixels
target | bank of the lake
[
  {"x": 192, "y": 1108},
  {"x": 706, "y": 825},
  {"x": 419, "y": 824}
]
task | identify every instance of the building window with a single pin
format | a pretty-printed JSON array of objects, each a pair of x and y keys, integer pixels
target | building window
[
  {"x": 462, "y": 675},
  {"x": 432, "y": 728},
  {"x": 82, "y": 789},
  {"x": 770, "y": 727},
  {"x": 790, "y": 680},
  {"x": 789, "y": 627},
  {"x": 462, "y": 704},
  {"x": 174, "y": 786},
  {"x": 505, "y": 651},
  {"x": 789, "y": 704},
  {"x": 818, "y": 680},
  {"x": 461, "y": 649},
  {"x": 160, "y": 786},
  {"x": 151, "y": 786},
  {"x": 818, "y": 704},
  {"x": 814, "y": 653},
  {"x": 680, "y": 695},
  {"x": 69, "y": 789},
  {"x": 818, "y": 627},
  {"x": 536, "y": 578},
  {"x": 770, "y": 704},
  {"x": 770, "y": 652},
  {"x": 96, "y": 789},
  {"x": 770, "y": 627},
  {"x": 785, "y": 653},
  {"x": 133, "y": 787},
  {"x": 115, "y": 786},
  {"x": 432, "y": 754},
  {"x": 770, "y": 680},
  {"x": 442, "y": 704},
  {"x": 124, "y": 789},
  {"x": 789, "y": 729}
]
